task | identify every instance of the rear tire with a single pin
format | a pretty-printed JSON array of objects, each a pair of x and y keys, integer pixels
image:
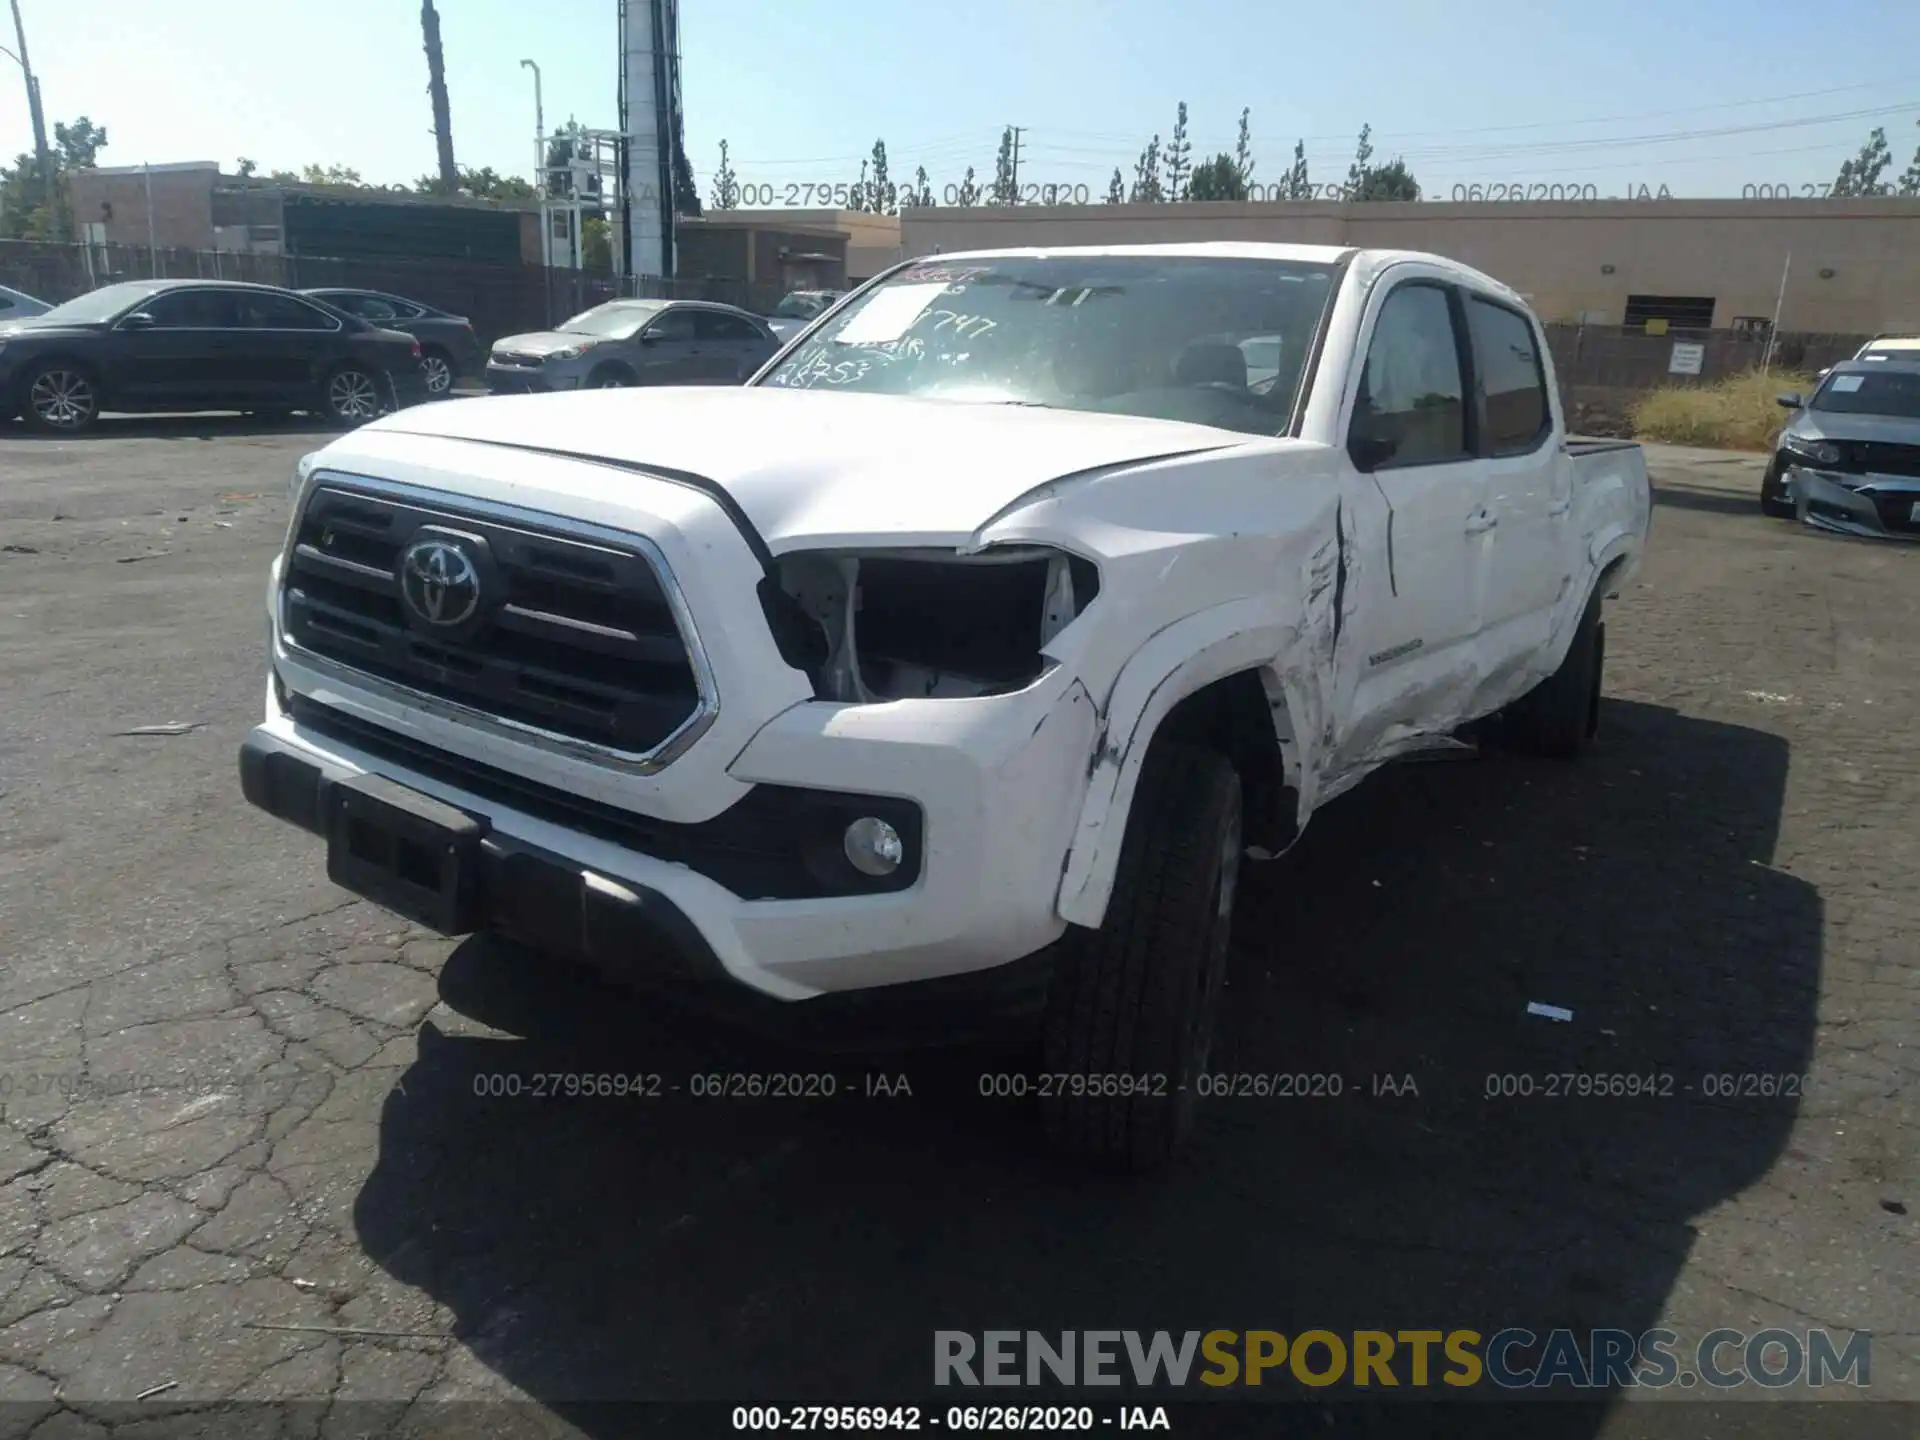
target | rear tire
[
  {"x": 1136, "y": 1000},
  {"x": 436, "y": 368},
  {"x": 1560, "y": 717},
  {"x": 350, "y": 396},
  {"x": 1774, "y": 499},
  {"x": 60, "y": 398}
]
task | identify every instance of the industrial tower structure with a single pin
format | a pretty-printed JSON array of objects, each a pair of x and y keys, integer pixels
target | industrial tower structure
[{"x": 650, "y": 130}]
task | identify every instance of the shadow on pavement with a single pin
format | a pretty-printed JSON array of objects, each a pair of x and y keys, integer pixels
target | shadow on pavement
[
  {"x": 1713, "y": 502},
  {"x": 781, "y": 1249}
]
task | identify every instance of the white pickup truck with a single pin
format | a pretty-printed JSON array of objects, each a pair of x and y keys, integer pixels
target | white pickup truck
[{"x": 951, "y": 667}]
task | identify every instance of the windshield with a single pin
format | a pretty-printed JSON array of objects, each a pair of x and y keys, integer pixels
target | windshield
[
  {"x": 1884, "y": 392},
  {"x": 96, "y": 306},
  {"x": 1164, "y": 336},
  {"x": 616, "y": 320}
]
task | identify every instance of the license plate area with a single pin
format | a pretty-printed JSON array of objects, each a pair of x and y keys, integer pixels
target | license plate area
[{"x": 405, "y": 851}]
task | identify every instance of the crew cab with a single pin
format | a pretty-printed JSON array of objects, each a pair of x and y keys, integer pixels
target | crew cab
[{"x": 953, "y": 666}]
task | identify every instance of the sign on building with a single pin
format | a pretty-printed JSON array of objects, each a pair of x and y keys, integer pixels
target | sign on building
[{"x": 1687, "y": 359}]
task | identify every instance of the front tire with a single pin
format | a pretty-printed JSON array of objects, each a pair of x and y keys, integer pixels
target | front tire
[
  {"x": 350, "y": 396},
  {"x": 1560, "y": 717},
  {"x": 1133, "y": 1004},
  {"x": 1774, "y": 499},
  {"x": 60, "y": 399},
  {"x": 610, "y": 377}
]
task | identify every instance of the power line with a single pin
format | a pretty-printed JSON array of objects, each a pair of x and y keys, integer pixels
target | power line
[{"x": 1907, "y": 81}]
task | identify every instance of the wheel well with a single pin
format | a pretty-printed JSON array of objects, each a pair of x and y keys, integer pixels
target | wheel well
[
  {"x": 611, "y": 367},
  {"x": 1234, "y": 718}
]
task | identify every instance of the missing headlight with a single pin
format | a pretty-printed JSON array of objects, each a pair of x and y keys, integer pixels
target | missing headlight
[{"x": 927, "y": 623}]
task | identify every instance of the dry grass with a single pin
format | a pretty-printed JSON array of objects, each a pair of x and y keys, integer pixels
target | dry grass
[{"x": 1737, "y": 413}]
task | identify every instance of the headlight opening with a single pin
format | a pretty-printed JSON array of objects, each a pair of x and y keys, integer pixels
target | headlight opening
[{"x": 898, "y": 624}]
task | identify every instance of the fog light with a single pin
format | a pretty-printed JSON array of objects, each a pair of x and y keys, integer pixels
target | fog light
[{"x": 873, "y": 846}]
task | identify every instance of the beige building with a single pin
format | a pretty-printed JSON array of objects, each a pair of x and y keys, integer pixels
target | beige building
[
  {"x": 1855, "y": 265},
  {"x": 873, "y": 241}
]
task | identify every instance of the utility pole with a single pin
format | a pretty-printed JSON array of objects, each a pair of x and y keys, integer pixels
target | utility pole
[
  {"x": 41, "y": 155},
  {"x": 1773, "y": 330},
  {"x": 437, "y": 87},
  {"x": 1015, "y": 176}
]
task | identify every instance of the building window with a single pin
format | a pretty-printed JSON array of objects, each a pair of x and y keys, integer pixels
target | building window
[{"x": 1681, "y": 312}]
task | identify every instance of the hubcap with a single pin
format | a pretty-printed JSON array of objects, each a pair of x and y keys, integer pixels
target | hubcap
[
  {"x": 439, "y": 375},
  {"x": 61, "y": 398},
  {"x": 353, "y": 396}
]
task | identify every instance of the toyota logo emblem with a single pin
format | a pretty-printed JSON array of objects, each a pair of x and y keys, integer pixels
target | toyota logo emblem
[{"x": 439, "y": 582}]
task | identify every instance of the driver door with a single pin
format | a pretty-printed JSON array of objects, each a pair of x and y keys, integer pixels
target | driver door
[
  {"x": 183, "y": 353},
  {"x": 1412, "y": 662}
]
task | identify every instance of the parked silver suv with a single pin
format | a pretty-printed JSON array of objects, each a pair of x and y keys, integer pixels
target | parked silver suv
[{"x": 634, "y": 342}]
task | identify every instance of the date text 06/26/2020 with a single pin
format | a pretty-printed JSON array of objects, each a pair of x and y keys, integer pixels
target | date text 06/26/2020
[{"x": 804, "y": 195}]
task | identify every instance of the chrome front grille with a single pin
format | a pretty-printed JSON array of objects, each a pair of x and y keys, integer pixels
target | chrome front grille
[{"x": 573, "y": 637}]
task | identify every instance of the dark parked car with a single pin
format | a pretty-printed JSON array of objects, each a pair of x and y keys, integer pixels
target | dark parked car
[
  {"x": 448, "y": 346},
  {"x": 159, "y": 345},
  {"x": 635, "y": 342}
]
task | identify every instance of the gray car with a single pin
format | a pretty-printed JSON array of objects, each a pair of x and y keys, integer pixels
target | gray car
[
  {"x": 1849, "y": 458},
  {"x": 634, "y": 342}
]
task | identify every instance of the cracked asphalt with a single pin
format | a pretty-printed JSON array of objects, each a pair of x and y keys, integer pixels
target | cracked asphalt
[{"x": 247, "y": 1150}]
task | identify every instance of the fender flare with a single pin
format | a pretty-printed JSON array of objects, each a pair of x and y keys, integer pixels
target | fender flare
[{"x": 1180, "y": 660}]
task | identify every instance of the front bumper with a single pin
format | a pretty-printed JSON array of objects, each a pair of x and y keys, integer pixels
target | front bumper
[
  {"x": 1878, "y": 507},
  {"x": 998, "y": 793}
]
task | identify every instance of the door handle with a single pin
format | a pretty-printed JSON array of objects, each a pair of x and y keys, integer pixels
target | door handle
[{"x": 1481, "y": 521}]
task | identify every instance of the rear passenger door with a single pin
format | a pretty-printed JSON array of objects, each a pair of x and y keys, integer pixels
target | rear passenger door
[
  {"x": 1529, "y": 481},
  {"x": 1411, "y": 433},
  {"x": 285, "y": 340},
  {"x": 732, "y": 345}
]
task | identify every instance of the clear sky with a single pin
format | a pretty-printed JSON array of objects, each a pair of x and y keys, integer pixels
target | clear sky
[{"x": 1704, "y": 96}]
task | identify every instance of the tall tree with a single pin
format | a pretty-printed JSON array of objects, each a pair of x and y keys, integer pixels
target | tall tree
[
  {"x": 78, "y": 145},
  {"x": 1362, "y": 163},
  {"x": 1861, "y": 175},
  {"x": 686, "y": 190},
  {"x": 1147, "y": 189},
  {"x": 726, "y": 185},
  {"x": 882, "y": 196},
  {"x": 1217, "y": 179},
  {"x": 857, "y": 192},
  {"x": 1116, "y": 189},
  {"x": 1179, "y": 156},
  {"x": 1299, "y": 187},
  {"x": 1910, "y": 177},
  {"x": 969, "y": 192},
  {"x": 920, "y": 193},
  {"x": 1243, "y": 150},
  {"x": 1003, "y": 191},
  {"x": 437, "y": 89}
]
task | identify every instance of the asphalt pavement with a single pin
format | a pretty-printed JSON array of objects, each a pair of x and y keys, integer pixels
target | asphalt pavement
[{"x": 257, "y": 1143}]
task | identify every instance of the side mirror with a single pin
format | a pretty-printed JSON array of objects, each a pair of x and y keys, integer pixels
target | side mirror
[
  {"x": 647, "y": 337},
  {"x": 139, "y": 320},
  {"x": 1370, "y": 452},
  {"x": 1787, "y": 402}
]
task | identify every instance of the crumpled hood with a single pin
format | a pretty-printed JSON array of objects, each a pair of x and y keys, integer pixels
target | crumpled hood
[
  {"x": 544, "y": 342},
  {"x": 815, "y": 468}
]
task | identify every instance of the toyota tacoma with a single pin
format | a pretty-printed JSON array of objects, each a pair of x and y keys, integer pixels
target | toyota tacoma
[{"x": 956, "y": 663}]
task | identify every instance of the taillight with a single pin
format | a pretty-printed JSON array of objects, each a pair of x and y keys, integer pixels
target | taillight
[{"x": 416, "y": 349}]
